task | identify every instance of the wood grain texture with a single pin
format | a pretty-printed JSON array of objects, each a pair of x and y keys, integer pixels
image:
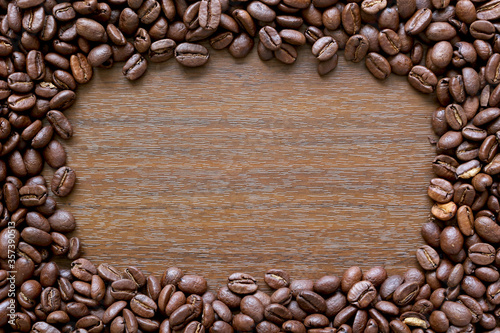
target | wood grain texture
[{"x": 243, "y": 165}]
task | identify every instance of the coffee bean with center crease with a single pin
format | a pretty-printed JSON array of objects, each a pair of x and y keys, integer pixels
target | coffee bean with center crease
[
  {"x": 191, "y": 55},
  {"x": 440, "y": 190},
  {"x": 287, "y": 54},
  {"x": 422, "y": 79},
  {"x": 135, "y": 67},
  {"x": 482, "y": 253},
  {"x": 311, "y": 302},
  {"x": 455, "y": 116},
  {"x": 362, "y": 294},
  {"x": 63, "y": 181},
  {"x": 162, "y": 50},
  {"x": 241, "y": 283},
  {"x": 35, "y": 65},
  {"x": 378, "y": 65},
  {"x": 325, "y": 48},
  {"x": 60, "y": 124},
  {"x": 277, "y": 278},
  {"x": 181, "y": 317},
  {"x": 428, "y": 258},
  {"x": 405, "y": 293},
  {"x": 50, "y": 299},
  {"x": 33, "y": 195},
  {"x": 209, "y": 14},
  {"x": 80, "y": 67},
  {"x": 270, "y": 38},
  {"x": 277, "y": 314},
  {"x": 83, "y": 269},
  {"x": 351, "y": 18},
  {"x": 143, "y": 306}
]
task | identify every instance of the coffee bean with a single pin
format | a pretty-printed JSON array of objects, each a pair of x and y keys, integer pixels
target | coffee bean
[
  {"x": 362, "y": 294},
  {"x": 351, "y": 18},
  {"x": 191, "y": 55},
  {"x": 287, "y": 54},
  {"x": 356, "y": 48},
  {"x": 378, "y": 65},
  {"x": 60, "y": 124},
  {"x": 209, "y": 14},
  {"x": 276, "y": 278},
  {"x": 422, "y": 79},
  {"x": 63, "y": 181},
  {"x": 324, "y": 48}
]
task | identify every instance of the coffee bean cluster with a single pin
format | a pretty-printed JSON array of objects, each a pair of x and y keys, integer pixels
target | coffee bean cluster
[{"x": 448, "y": 48}]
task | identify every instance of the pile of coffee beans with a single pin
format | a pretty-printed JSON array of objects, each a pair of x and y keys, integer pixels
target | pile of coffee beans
[{"x": 447, "y": 48}]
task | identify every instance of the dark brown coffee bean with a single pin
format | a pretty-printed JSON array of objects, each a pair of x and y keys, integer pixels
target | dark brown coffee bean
[
  {"x": 270, "y": 38},
  {"x": 419, "y": 21},
  {"x": 351, "y": 18},
  {"x": 427, "y": 257},
  {"x": 83, "y": 269},
  {"x": 405, "y": 293},
  {"x": 191, "y": 55},
  {"x": 324, "y": 48},
  {"x": 287, "y": 54},
  {"x": 482, "y": 253},
  {"x": 362, "y": 294},
  {"x": 193, "y": 284},
  {"x": 422, "y": 79},
  {"x": 135, "y": 67},
  {"x": 356, "y": 48},
  {"x": 277, "y": 314},
  {"x": 60, "y": 124},
  {"x": 81, "y": 69},
  {"x": 378, "y": 65},
  {"x": 209, "y": 14}
]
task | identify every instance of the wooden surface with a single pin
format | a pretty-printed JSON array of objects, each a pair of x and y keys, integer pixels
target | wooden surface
[{"x": 243, "y": 166}]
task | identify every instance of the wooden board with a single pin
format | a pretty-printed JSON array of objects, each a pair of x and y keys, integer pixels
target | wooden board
[{"x": 243, "y": 166}]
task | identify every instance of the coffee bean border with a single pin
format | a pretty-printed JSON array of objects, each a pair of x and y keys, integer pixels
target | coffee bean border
[{"x": 448, "y": 48}]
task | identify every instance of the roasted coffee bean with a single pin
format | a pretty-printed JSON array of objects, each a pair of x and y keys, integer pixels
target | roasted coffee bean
[
  {"x": 276, "y": 278},
  {"x": 378, "y": 65},
  {"x": 135, "y": 67},
  {"x": 356, "y": 48},
  {"x": 482, "y": 253},
  {"x": 63, "y": 181},
  {"x": 287, "y": 54},
  {"x": 209, "y": 14},
  {"x": 351, "y": 18},
  {"x": 419, "y": 21},
  {"x": 277, "y": 314},
  {"x": 422, "y": 79},
  {"x": 324, "y": 48},
  {"x": 80, "y": 67},
  {"x": 191, "y": 55}
]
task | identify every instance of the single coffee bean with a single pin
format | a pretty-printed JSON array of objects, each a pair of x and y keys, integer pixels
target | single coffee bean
[
  {"x": 63, "y": 181},
  {"x": 60, "y": 124},
  {"x": 209, "y": 14},
  {"x": 378, "y": 65},
  {"x": 80, "y": 67},
  {"x": 135, "y": 67},
  {"x": 241, "y": 283},
  {"x": 351, "y": 18},
  {"x": 356, "y": 48},
  {"x": 428, "y": 258},
  {"x": 276, "y": 278},
  {"x": 422, "y": 79},
  {"x": 324, "y": 48},
  {"x": 191, "y": 55},
  {"x": 362, "y": 294}
]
